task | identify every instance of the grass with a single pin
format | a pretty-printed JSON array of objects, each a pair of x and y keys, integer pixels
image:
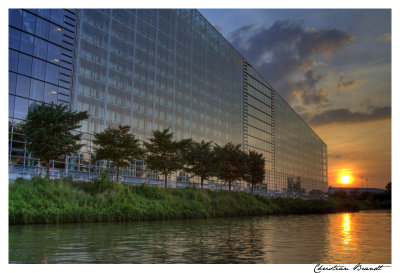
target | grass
[{"x": 64, "y": 201}]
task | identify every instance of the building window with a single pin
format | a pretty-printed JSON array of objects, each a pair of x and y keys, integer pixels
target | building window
[
  {"x": 37, "y": 89},
  {"x": 23, "y": 86},
  {"x": 29, "y": 22},
  {"x": 13, "y": 60},
  {"x": 44, "y": 13},
  {"x": 25, "y": 64},
  {"x": 53, "y": 53},
  {"x": 11, "y": 100},
  {"x": 40, "y": 49},
  {"x": 50, "y": 93},
  {"x": 26, "y": 43},
  {"x": 15, "y": 17},
  {"x": 38, "y": 69},
  {"x": 52, "y": 73},
  {"x": 14, "y": 38},
  {"x": 57, "y": 15},
  {"x": 20, "y": 108},
  {"x": 42, "y": 28},
  {"x": 55, "y": 34},
  {"x": 12, "y": 82}
]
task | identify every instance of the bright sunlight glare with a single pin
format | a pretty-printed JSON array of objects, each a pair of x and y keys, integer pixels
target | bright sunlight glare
[{"x": 345, "y": 179}]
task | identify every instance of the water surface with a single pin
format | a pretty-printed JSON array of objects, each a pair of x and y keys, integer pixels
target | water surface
[{"x": 360, "y": 237}]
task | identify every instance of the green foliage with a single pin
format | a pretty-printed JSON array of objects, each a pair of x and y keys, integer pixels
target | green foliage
[
  {"x": 200, "y": 159},
  {"x": 164, "y": 155},
  {"x": 255, "y": 169},
  {"x": 103, "y": 182},
  {"x": 48, "y": 131},
  {"x": 118, "y": 146},
  {"x": 62, "y": 201},
  {"x": 230, "y": 163}
]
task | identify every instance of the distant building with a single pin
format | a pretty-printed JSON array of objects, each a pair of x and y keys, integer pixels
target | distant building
[{"x": 154, "y": 69}]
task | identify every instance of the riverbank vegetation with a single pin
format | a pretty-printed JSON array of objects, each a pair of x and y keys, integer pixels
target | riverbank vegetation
[{"x": 64, "y": 201}]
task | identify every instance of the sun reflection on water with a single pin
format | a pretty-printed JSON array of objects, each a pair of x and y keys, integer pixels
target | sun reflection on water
[{"x": 346, "y": 228}]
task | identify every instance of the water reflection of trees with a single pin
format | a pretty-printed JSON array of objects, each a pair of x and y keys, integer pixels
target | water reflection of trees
[{"x": 275, "y": 239}]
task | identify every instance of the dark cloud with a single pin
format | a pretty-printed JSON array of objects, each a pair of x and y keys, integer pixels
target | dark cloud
[
  {"x": 287, "y": 48},
  {"x": 323, "y": 42},
  {"x": 347, "y": 116}
]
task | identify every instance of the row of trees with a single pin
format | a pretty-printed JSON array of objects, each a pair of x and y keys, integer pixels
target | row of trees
[
  {"x": 166, "y": 156},
  {"x": 48, "y": 137}
]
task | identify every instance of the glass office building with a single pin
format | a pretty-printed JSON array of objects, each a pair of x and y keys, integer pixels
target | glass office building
[{"x": 154, "y": 69}]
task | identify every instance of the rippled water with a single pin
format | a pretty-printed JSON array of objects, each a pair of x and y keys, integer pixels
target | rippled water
[{"x": 361, "y": 237}]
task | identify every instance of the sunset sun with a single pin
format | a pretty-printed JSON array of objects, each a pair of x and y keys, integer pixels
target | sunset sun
[{"x": 345, "y": 179}]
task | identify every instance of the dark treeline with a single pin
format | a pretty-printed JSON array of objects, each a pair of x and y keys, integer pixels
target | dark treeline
[{"x": 378, "y": 200}]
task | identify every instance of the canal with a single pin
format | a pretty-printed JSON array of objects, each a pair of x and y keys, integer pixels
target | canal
[{"x": 351, "y": 238}]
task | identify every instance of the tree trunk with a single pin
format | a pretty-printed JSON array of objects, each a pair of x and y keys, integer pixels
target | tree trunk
[
  {"x": 117, "y": 174},
  {"x": 165, "y": 180},
  {"x": 252, "y": 186},
  {"x": 229, "y": 186},
  {"x": 48, "y": 169}
]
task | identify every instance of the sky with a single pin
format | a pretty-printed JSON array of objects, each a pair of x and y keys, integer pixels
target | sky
[{"x": 333, "y": 66}]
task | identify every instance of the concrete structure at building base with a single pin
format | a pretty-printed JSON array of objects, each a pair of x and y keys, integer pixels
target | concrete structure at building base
[{"x": 154, "y": 69}]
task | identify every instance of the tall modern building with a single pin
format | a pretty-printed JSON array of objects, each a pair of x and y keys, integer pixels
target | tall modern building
[{"x": 154, "y": 69}]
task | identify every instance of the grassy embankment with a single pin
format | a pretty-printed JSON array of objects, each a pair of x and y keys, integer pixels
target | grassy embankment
[{"x": 64, "y": 201}]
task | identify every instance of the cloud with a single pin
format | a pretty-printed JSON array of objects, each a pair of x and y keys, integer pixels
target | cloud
[
  {"x": 306, "y": 91},
  {"x": 347, "y": 116},
  {"x": 366, "y": 102},
  {"x": 315, "y": 97},
  {"x": 346, "y": 85},
  {"x": 286, "y": 48},
  {"x": 387, "y": 37},
  {"x": 334, "y": 155}
]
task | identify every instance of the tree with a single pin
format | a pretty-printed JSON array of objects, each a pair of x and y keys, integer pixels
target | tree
[
  {"x": 230, "y": 163},
  {"x": 388, "y": 188},
  {"x": 163, "y": 154},
  {"x": 255, "y": 169},
  {"x": 48, "y": 131},
  {"x": 117, "y": 145},
  {"x": 199, "y": 159}
]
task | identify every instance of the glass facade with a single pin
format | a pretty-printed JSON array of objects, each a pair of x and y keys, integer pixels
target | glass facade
[
  {"x": 151, "y": 69},
  {"x": 41, "y": 52},
  {"x": 258, "y": 120},
  {"x": 300, "y": 155}
]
